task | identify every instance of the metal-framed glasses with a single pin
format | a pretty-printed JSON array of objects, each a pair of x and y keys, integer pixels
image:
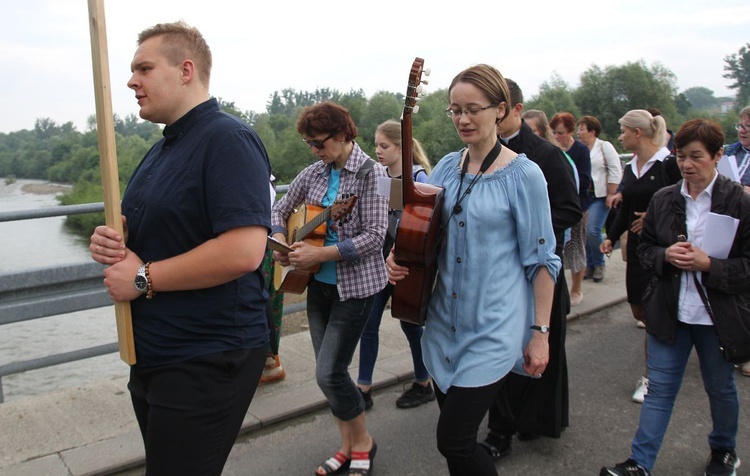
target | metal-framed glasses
[
  {"x": 471, "y": 111},
  {"x": 318, "y": 144},
  {"x": 744, "y": 127}
]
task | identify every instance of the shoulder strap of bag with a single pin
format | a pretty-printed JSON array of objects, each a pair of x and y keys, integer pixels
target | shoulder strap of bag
[{"x": 704, "y": 298}]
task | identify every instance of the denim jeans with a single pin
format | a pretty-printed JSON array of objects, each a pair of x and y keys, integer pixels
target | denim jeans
[
  {"x": 666, "y": 367},
  {"x": 598, "y": 212},
  {"x": 335, "y": 329},
  {"x": 369, "y": 343}
]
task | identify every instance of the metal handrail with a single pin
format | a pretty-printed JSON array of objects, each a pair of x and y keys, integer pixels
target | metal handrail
[
  {"x": 89, "y": 295},
  {"x": 17, "y": 367}
]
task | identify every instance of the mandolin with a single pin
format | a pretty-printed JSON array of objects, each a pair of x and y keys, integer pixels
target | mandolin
[
  {"x": 307, "y": 223},
  {"x": 417, "y": 233}
]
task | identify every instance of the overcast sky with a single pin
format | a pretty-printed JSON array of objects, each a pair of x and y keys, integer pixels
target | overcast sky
[{"x": 264, "y": 46}]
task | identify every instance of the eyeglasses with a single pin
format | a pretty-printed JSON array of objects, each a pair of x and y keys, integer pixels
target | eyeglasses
[
  {"x": 455, "y": 112},
  {"x": 318, "y": 144},
  {"x": 744, "y": 127}
]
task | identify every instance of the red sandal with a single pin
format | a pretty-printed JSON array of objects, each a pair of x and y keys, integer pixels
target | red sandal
[
  {"x": 336, "y": 464},
  {"x": 362, "y": 461}
]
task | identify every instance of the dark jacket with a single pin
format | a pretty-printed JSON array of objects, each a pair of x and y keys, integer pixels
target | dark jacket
[
  {"x": 565, "y": 205},
  {"x": 728, "y": 282}
]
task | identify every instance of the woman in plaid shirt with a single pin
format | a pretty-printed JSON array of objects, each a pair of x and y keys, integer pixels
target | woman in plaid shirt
[{"x": 340, "y": 295}]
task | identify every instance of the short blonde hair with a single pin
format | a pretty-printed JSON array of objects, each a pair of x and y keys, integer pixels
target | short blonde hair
[
  {"x": 653, "y": 127},
  {"x": 181, "y": 42}
]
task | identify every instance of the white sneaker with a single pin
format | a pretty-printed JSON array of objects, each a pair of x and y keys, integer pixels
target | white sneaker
[{"x": 641, "y": 389}]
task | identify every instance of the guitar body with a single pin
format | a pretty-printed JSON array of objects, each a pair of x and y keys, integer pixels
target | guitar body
[
  {"x": 294, "y": 280},
  {"x": 308, "y": 223},
  {"x": 416, "y": 248},
  {"x": 418, "y": 230}
]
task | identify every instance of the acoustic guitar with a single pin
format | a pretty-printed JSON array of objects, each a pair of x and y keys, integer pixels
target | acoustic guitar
[
  {"x": 307, "y": 223},
  {"x": 417, "y": 233}
]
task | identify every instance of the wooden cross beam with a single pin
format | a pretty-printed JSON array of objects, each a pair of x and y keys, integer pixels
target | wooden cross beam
[{"x": 105, "y": 127}]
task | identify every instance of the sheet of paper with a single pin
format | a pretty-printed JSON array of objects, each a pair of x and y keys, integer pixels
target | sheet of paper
[
  {"x": 391, "y": 188},
  {"x": 276, "y": 245},
  {"x": 721, "y": 231},
  {"x": 728, "y": 167}
]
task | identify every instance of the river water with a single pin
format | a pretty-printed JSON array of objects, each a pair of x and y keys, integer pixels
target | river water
[{"x": 45, "y": 242}]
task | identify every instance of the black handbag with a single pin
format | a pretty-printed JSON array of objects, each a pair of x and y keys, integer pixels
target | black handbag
[{"x": 734, "y": 334}]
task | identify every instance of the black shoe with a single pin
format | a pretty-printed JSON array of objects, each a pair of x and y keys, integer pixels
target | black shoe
[
  {"x": 526, "y": 436},
  {"x": 628, "y": 468},
  {"x": 415, "y": 395},
  {"x": 497, "y": 446},
  {"x": 722, "y": 462},
  {"x": 367, "y": 396}
]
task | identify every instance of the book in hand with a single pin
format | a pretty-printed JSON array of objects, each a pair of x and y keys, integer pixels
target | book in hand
[{"x": 276, "y": 245}]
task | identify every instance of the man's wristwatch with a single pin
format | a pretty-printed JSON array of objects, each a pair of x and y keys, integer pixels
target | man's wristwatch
[
  {"x": 141, "y": 281},
  {"x": 542, "y": 329}
]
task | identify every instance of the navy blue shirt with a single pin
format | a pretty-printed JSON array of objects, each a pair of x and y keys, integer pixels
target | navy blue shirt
[{"x": 208, "y": 174}]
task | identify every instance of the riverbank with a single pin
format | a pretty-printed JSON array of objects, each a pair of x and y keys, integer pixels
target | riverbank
[{"x": 45, "y": 188}]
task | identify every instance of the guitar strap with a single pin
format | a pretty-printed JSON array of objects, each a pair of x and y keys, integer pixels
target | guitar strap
[{"x": 364, "y": 169}]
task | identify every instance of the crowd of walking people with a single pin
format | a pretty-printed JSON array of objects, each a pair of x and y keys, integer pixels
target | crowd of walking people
[{"x": 522, "y": 201}]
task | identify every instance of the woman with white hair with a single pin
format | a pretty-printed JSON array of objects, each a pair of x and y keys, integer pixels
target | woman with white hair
[{"x": 651, "y": 168}]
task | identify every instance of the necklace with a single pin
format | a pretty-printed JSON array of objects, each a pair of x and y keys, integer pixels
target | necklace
[{"x": 493, "y": 154}]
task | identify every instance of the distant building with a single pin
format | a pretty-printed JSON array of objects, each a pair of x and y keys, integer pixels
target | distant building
[{"x": 726, "y": 106}]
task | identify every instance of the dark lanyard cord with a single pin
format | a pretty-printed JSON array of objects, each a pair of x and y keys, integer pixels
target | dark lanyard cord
[{"x": 493, "y": 154}]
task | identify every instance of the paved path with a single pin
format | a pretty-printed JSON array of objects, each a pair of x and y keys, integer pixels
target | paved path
[{"x": 91, "y": 430}]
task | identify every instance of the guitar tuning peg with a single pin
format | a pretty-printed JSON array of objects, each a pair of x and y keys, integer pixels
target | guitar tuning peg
[
  {"x": 415, "y": 109},
  {"x": 424, "y": 81},
  {"x": 420, "y": 89},
  {"x": 426, "y": 72}
]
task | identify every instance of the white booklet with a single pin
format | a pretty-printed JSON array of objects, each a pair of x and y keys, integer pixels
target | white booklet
[
  {"x": 728, "y": 167},
  {"x": 722, "y": 230}
]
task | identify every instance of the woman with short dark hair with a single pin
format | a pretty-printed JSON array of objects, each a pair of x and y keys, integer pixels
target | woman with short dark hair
[
  {"x": 686, "y": 283},
  {"x": 606, "y": 172},
  {"x": 351, "y": 268}
]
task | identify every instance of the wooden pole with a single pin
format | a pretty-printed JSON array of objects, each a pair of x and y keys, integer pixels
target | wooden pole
[{"x": 105, "y": 127}]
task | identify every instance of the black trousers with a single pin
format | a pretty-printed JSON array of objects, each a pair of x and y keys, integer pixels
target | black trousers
[
  {"x": 190, "y": 412},
  {"x": 462, "y": 410}
]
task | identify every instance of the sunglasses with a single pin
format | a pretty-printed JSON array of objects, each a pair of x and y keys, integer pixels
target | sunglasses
[{"x": 318, "y": 144}]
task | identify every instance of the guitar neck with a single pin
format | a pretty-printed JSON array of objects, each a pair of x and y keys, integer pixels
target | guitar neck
[
  {"x": 407, "y": 159},
  {"x": 409, "y": 192},
  {"x": 315, "y": 222}
]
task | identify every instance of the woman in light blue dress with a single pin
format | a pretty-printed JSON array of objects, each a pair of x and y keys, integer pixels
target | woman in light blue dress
[{"x": 489, "y": 311}]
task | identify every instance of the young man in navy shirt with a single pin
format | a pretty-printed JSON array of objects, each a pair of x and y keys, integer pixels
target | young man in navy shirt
[{"x": 196, "y": 213}]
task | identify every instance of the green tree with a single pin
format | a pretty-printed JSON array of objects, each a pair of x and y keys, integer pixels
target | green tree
[
  {"x": 554, "y": 96},
  {"x": 701, "y": 98},
  {"x": 381, "y": 107},
  {"x": 737, "y": 69},
  {"x": 608, "y": 93}
]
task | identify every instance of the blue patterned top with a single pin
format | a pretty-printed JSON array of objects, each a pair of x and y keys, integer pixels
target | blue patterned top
[{"x": 483, "y": 303}]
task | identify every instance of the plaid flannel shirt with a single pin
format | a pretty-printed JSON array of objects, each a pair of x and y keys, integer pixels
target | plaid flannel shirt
[{"x": 361, "y": 272}]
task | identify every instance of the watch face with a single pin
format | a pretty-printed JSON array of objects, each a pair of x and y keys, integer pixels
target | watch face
[{"x": 141, "y": 284}]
